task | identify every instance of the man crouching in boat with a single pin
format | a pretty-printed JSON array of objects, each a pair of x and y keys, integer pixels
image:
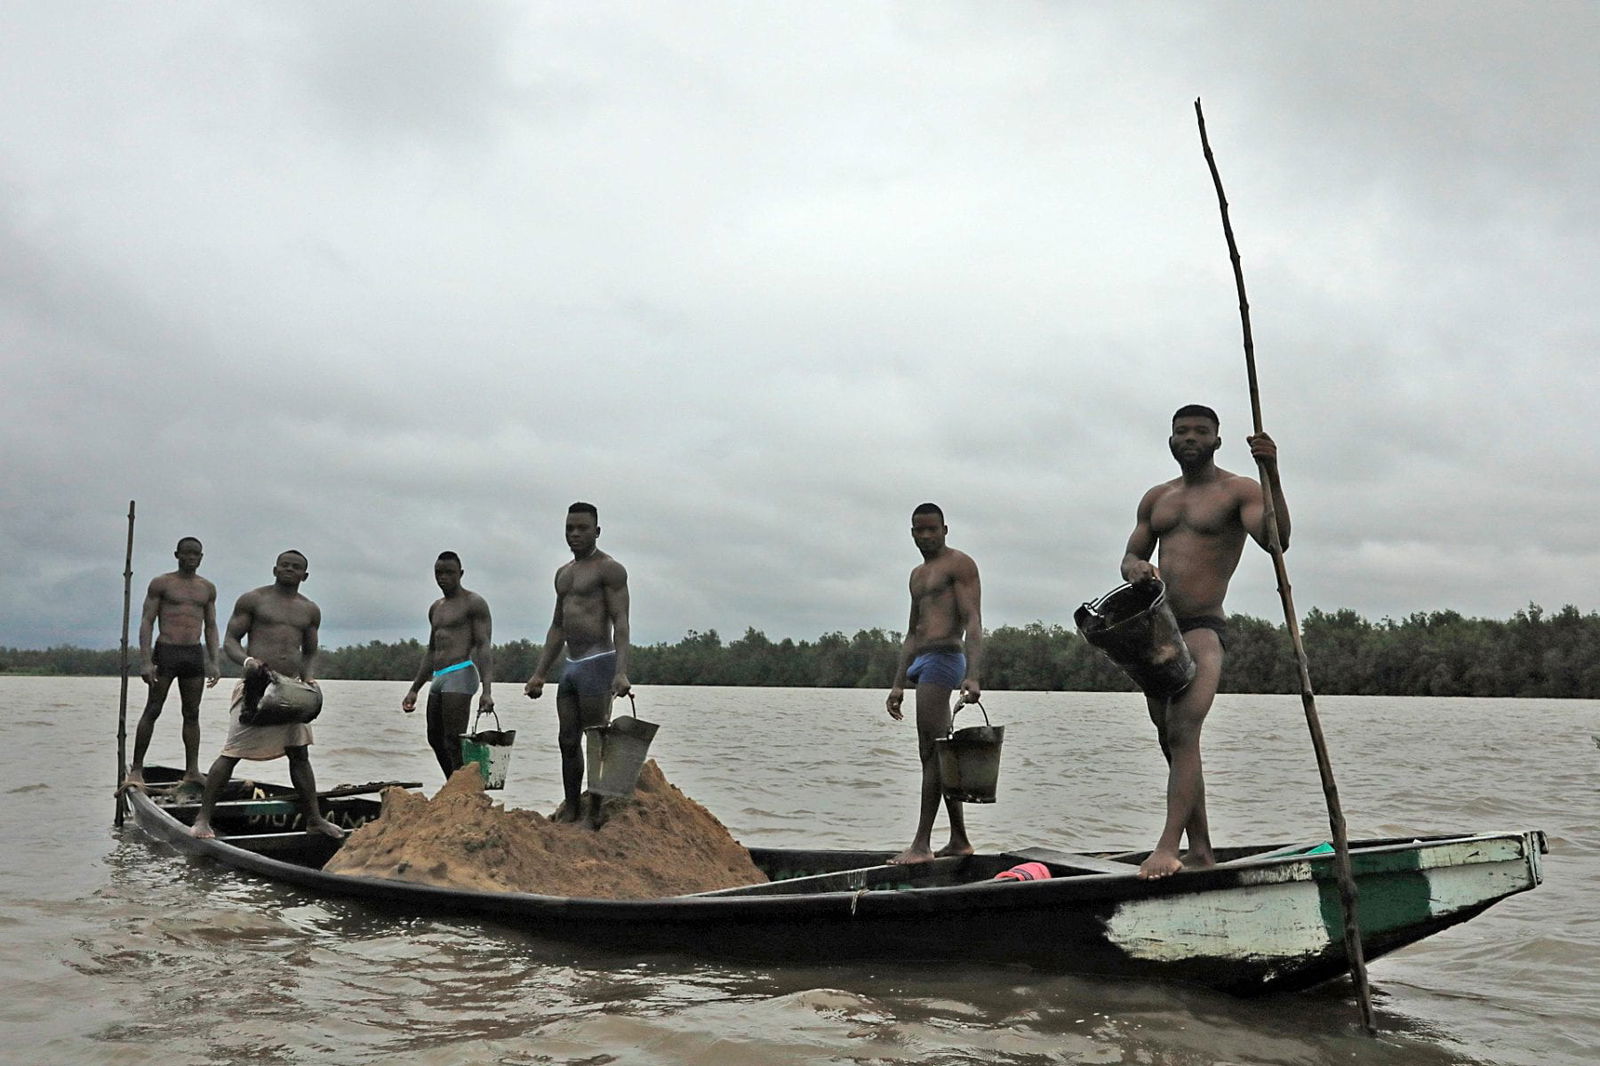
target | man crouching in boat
[
  {"x": 282, "y": 627},
  {"x": 1200, "y": 520},
  {"x": 942, "y": 649}
]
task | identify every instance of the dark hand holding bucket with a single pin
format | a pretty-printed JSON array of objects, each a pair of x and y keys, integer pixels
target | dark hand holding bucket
[{"x": 969, "y": 760}]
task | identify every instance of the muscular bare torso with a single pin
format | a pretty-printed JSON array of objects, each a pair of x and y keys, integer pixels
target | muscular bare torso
[
  {"x": 454, "y": 621},
  {"x": 939, "y": 622},
  {"x": 281, "y": 627},
  {"x": 1201, "y": 533},
  {"x": 583, "y": 587},
  {"x": 182, "y": 605}
]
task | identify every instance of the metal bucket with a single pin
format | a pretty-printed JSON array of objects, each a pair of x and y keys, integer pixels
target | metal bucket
[
  {"x": 969, "y": 761},
  {"x": 1136, "y": 628},
  {"x": 491, "y": 750},
  {"x": 617, "y": 753},
  {"x": 281, "y": 700}
]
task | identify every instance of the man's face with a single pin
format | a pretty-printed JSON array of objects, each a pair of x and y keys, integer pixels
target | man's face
[
  {"x": 1194, "y": 440},
  {"x": 928, "y": 531},
  {"x": 188, "y": 556},
  {"x": 447, "y": 574},
  {"x": 582, "y": 532},
  {"x": 290, "y": 569}
]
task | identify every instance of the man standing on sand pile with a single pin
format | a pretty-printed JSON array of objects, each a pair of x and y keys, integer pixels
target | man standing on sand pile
[
  {"x": 457, "y": 660},
  {"x": 591, "y": 624}
]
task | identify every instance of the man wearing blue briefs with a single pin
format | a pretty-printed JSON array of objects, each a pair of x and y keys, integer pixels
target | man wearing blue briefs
[
  {"x": 456, "y": 662},
  {"x": 942, "y": 652},
  {"x": 591, "y": 624}
]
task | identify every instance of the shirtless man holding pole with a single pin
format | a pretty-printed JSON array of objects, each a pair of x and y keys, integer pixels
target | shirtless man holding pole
[
  {"x": 184, "y": 604},
  {"x": 591, "y": 623},
  {"x": 456, "y": 661},
  {"x": 1200, "y": 520},
  {"x": 282, "y": 626},
  {"x": 942, "y": 652}
]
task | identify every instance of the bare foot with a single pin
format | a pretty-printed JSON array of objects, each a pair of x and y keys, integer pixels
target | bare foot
[
  {"x": 135, "y": 779},
  {"x": 567, "y": 812},
  {"x": 911, "y": 856},
  {"x": 1160, "y": 864},
  {"x": 202, "y": 830},
  {"x": 1195, "y": 860},
  {"x": 953, "y": 848},
  {"x": 324, "y": 827},
  {"x": 193, "y": 777}
]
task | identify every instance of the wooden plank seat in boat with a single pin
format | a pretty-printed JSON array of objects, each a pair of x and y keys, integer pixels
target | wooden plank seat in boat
[
  {"x": 1071, "y": 862},
  {"x": 881, "y": 876}
]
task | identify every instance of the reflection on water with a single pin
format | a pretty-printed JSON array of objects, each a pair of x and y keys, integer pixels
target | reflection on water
[{"x": 123, "y": 950}]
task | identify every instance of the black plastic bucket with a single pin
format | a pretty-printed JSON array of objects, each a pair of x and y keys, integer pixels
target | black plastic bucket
[{"x": 1136, "y": 628}]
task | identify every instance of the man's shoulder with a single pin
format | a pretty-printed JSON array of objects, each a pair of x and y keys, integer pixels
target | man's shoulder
[
  {"x": 961, "y": 561},
  {"x": 1239, "y": 484}
]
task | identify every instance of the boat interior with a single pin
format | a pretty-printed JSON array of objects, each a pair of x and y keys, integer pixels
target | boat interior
[{"x": 265, "y": 818}]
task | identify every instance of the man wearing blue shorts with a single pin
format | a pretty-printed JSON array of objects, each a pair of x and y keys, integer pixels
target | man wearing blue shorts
[
  {"x": 941, "y": 653},
  {"x": 455, "y": 663},
  {"x": 591, "y": 625}
]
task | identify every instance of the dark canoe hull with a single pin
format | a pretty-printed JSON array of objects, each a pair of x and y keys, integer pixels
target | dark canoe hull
[{"x": 1255, "y": 923}]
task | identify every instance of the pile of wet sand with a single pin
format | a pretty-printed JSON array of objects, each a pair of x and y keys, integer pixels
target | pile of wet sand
[{"x": 661, "y": 843}]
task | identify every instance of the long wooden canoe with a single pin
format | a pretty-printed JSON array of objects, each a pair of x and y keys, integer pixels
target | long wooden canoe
[{"x": 1264, "y": 919}]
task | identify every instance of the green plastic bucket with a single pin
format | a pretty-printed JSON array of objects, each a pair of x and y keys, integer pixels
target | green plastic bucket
[{"x": 490, "y": 749}]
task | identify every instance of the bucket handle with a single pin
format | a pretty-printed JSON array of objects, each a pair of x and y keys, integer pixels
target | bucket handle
[
  {"x": 976, "y": 703},
  {"x": 481, "y": 713}
]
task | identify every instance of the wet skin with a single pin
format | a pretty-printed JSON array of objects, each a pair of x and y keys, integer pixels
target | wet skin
[
  {"x": 1200, "y": 521},
  {"x": 281, "y": 626},
  {"x": 945, "y": 616},
  {"x": 591, "y": 617},
  {"x": 184, "y": 606},
  {"x": 459, "y": 628}
]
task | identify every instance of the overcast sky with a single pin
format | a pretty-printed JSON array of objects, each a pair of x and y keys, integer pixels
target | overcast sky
[{"x": 378, "y": 279}]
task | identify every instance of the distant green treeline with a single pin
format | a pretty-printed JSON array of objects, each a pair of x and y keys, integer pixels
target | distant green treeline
[{"x": 1534, "y": 654}]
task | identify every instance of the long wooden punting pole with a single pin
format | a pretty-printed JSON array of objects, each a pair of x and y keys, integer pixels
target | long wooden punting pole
[
  {"x": 1269, "y": 482},
  {"x": 122, "y": 702}
]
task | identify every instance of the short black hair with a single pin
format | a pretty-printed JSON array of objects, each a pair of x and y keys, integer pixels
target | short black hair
[
  {"x": 295, "y": 551},
  {"x": 589, "y": 508},
  {"x": 928, "y": 508},
  {"x": 184, "y": 540},
  {"x": 451, "y": 556},
  {"x": 1197, "y": 410}
]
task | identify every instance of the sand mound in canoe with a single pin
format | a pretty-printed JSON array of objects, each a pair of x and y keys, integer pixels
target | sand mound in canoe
[{"x": 662, "y": 843}]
